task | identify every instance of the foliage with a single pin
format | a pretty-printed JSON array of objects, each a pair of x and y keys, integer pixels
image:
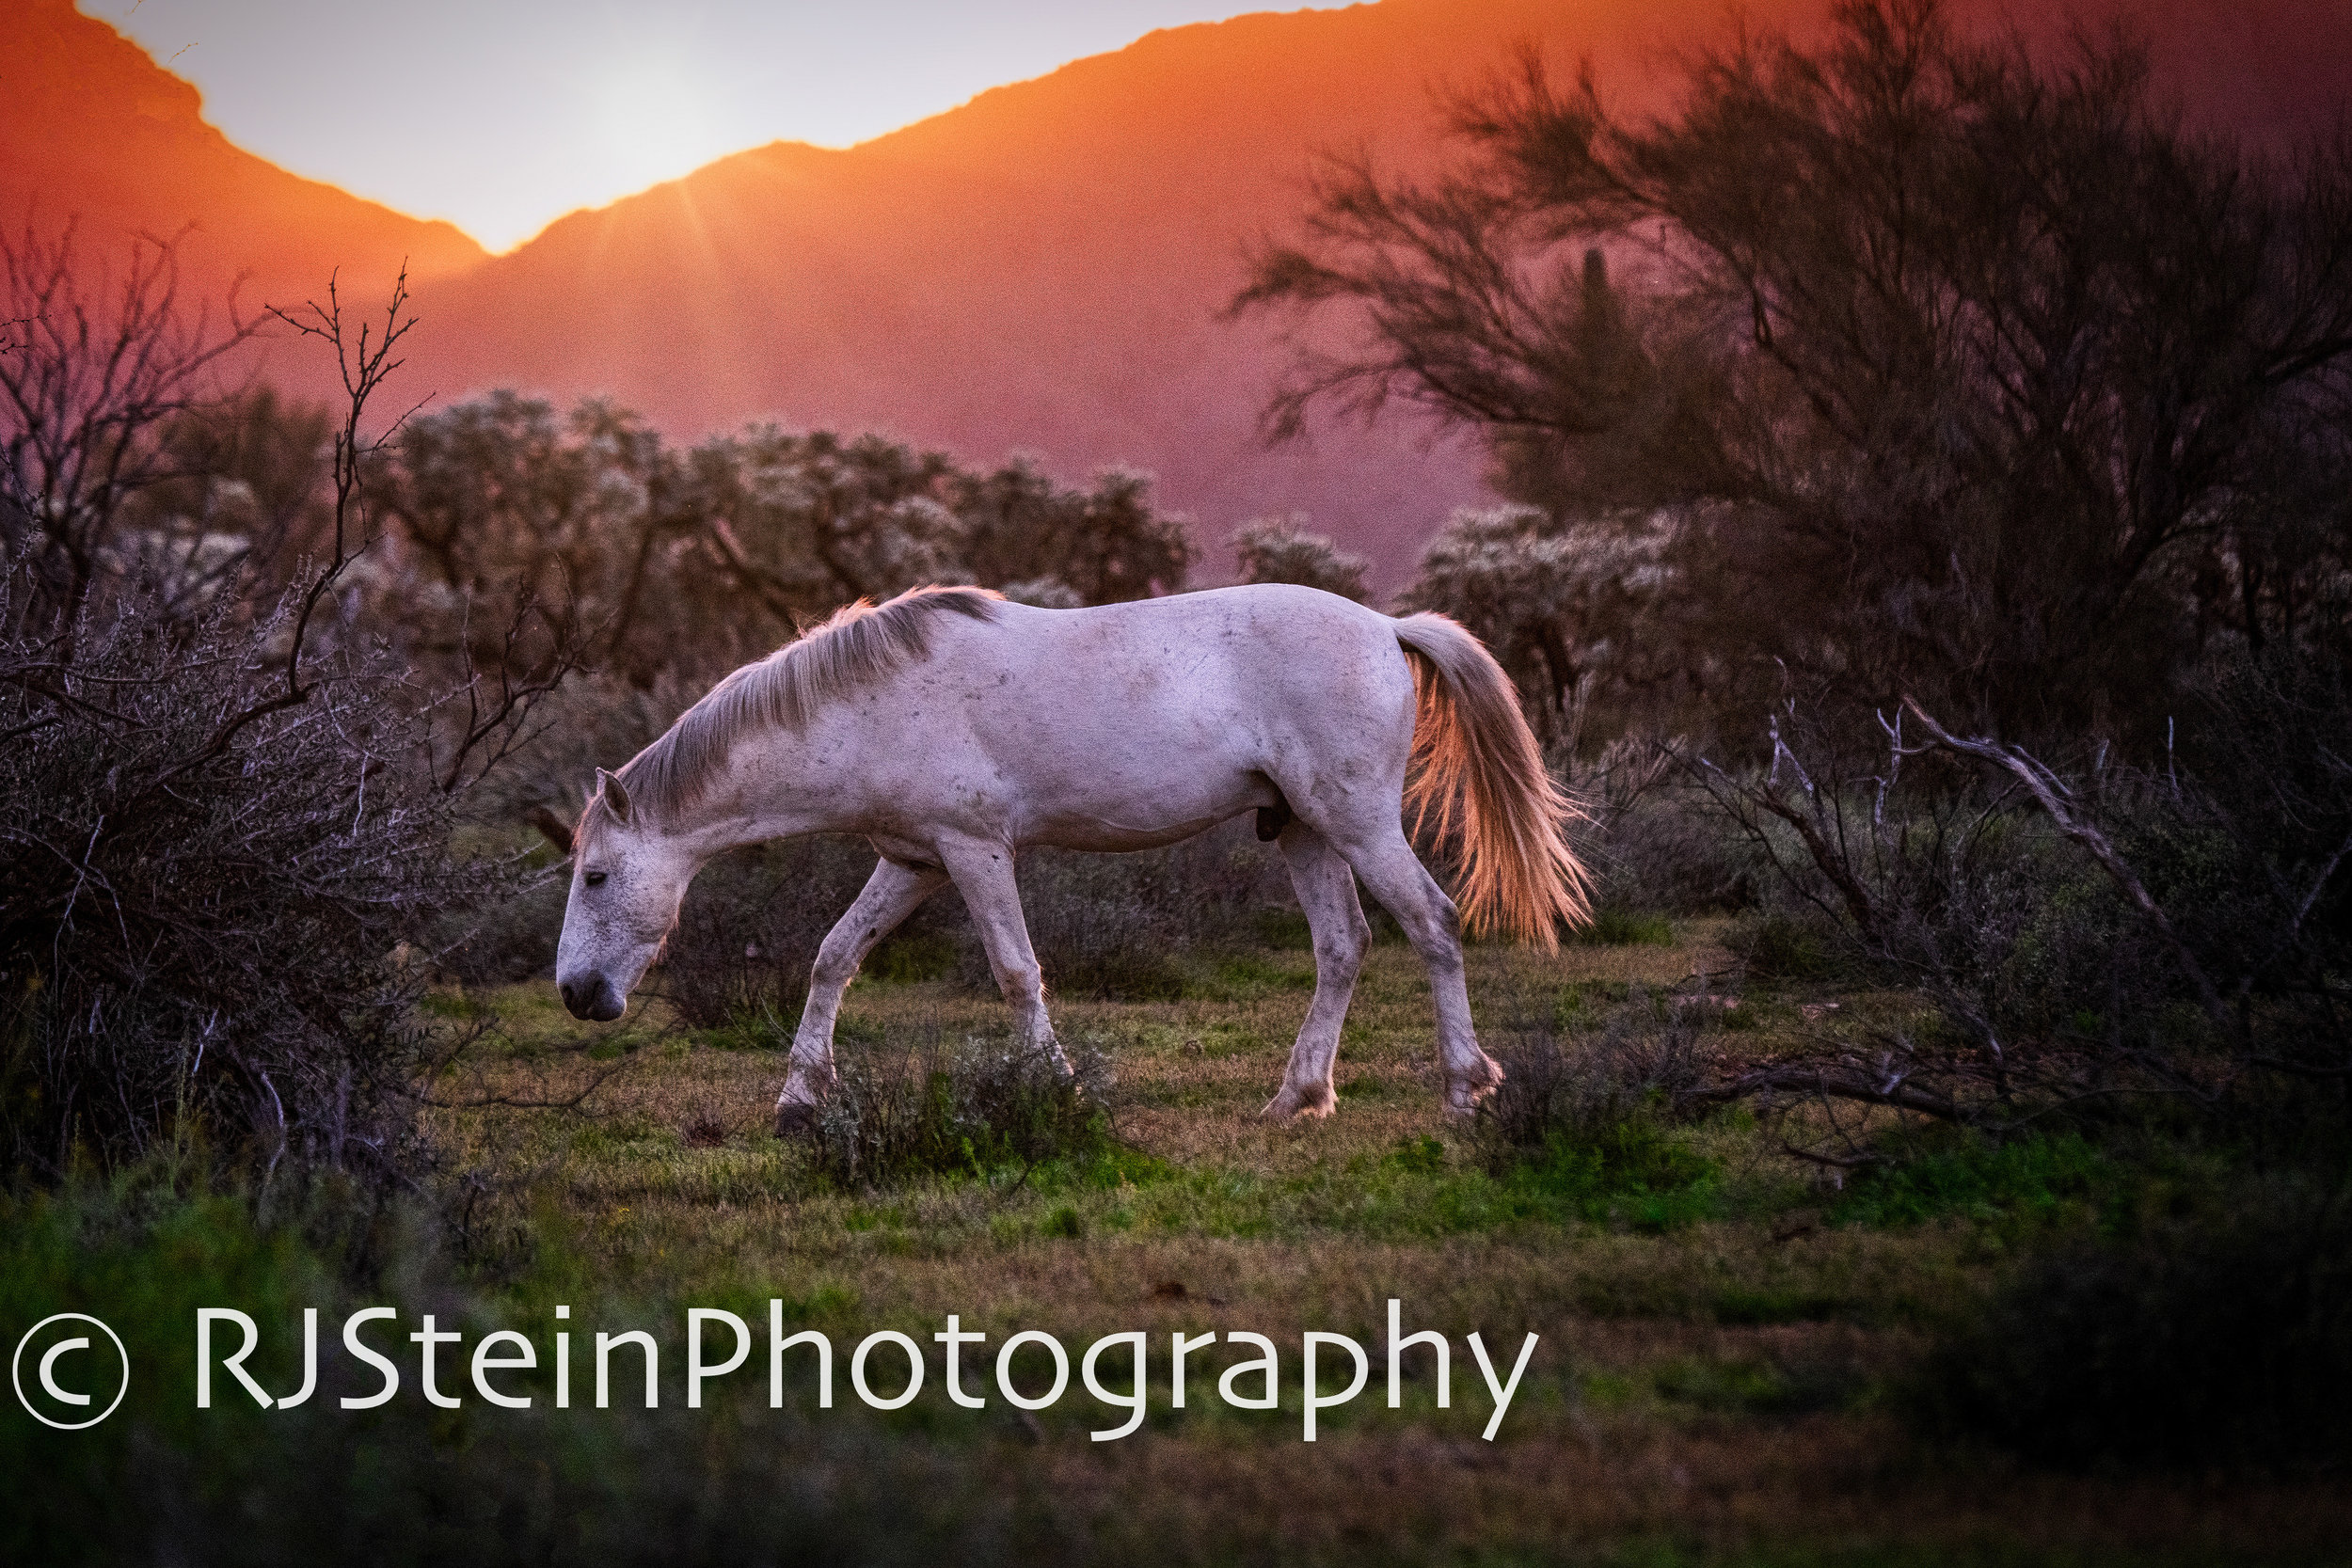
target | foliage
[
  {"x": 1588, "y": 1121},
  {"x": 1280, "y": 549},
  {"x": 2084, "y": 934},
  {"x": 200, "y": 915},
  {"x": 2033, "y": 1177},
  {"x": 225, "y": 815},
  {"x": 672, "y": 561},
  {"x": 410, "y": 1483},
  {"x": 2030, "y": 398},
  {"x": 1654, "y": 844},
  {"x": 903, "y": 1109},
  {"x": 1554, "y": 601},
  {"x": 751, "y": 926}
]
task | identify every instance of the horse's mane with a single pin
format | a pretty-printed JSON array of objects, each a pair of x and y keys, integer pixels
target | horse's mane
[{"x": 860, "y": 645}]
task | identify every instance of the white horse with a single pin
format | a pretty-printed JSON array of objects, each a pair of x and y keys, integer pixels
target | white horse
[{"x": 952, "y": 728}]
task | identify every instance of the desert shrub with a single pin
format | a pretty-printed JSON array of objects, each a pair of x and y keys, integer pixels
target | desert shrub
[
  {"x": 1281, "y": 549},
  {"x": 2222, "y": 1341},
  {"x": 1119, "y": 926},
  {"x": 1785, "y": 944},
  {"x": 509, "y": 935},
  {"x": 913, "y": 1104},
  {"x": 1616, "y": 925},
  {"x": 2088, "y": 933},
  {"x": 206, "y": 886},
  {"x": 1668, "y": 851},
  {"x": 1590, "y": 1118}
]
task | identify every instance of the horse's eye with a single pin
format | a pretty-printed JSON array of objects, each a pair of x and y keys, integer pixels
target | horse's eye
[{"x": 594, "y": 878}]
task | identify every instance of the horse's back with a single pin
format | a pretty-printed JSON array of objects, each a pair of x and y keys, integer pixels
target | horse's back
[
  {"x": 1120, "y": 725},
  {"x": 1257, "y": 654}
]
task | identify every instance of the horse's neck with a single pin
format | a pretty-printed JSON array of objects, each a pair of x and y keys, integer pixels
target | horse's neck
[{"x": 757, "y": 795}]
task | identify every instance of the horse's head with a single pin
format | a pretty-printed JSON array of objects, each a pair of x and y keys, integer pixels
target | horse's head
[{"x": 627, "y": 879}]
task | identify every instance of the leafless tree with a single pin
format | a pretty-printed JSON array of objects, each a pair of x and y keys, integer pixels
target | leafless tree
[
  {"x": 96, "y": 374},
  {"x": 219, "y": 823}
]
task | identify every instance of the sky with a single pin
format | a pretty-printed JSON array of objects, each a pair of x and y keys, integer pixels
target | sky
[{"x": 503, "y": 114}]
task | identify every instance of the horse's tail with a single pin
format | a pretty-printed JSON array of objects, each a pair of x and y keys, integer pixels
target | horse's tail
[{"x": 1477, "y": 776}]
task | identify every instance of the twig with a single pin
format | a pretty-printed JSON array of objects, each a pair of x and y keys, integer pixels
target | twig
[{"x": 2047, "y": 788}]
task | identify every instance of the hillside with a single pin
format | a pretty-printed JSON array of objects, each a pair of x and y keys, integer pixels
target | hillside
[
  {"x": 1040, "y": 269},
  {"x": 93, "y": 133}
]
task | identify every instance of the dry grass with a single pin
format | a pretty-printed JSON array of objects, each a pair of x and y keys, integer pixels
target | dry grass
[{"x": 1709, "y": 1390}]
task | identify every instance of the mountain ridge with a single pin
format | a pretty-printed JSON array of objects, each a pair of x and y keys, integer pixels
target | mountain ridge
[{"x": 1043, "y": 268}]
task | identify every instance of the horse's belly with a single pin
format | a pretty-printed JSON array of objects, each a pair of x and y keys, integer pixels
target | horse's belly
[{"x": 1146, "y": 819}]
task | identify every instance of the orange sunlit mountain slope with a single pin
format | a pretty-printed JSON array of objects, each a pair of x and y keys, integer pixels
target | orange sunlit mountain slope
[
  {"x": 94, "y": 133},
  {"x": 1041, "y": 269}
]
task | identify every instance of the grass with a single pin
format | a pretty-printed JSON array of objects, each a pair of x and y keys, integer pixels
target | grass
[
  {"x": 1708, "y": 1308},
  {"x": 1724, "y": 1331}
]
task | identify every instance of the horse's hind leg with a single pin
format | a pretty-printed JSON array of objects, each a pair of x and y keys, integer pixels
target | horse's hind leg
[
  {"x": 892, "y": 893},
  {"x": 1396, "y": 877},
  {"x": 983, "y": 874},
  {"x": 1326, "y": 891}
]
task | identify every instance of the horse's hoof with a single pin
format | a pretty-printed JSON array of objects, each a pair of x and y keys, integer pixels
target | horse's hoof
[
  {"x": 1289, "y": 1106},
  {"x": 795, "y": 1120},
  {"x": 1463, "y": 1093},
  {"x": 1462, "y": 1098}
]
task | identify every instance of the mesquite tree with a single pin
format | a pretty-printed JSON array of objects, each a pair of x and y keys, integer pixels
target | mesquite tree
[{"x": 2017, "y": 394}]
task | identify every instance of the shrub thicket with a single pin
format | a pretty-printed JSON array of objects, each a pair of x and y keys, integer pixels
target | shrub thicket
[
  {"x": 749, "y": 928},
  {"x": 203, "y": 893},
  {"x": 1590, "y": 1117}
]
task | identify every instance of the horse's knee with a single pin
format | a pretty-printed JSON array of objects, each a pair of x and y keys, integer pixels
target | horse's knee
[
  {"x": 1443, "y": 910},
  {"x": 834, "y": 967},
  {"x": 1021, "y": 982},
  {"x": 1342, "y": 951}
]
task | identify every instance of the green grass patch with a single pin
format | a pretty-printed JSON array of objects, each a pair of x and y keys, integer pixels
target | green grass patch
[
  {"x": 1632, "y": 1173},
  {"x": 1614, "y": 926},
  {"x": 1978, "y": 1179}
]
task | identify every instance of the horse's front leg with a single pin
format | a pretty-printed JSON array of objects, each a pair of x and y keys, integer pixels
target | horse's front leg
[
  {"x": 892, "y": 893},
  {"x": 983, "y": 874}
]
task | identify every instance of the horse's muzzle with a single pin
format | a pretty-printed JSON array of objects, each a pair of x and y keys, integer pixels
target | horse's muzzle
[{"x": 592, "y": 998}]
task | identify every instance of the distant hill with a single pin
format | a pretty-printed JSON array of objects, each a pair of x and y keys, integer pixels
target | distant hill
[
  {"x": 1040, "y": 269},
  {"x": 92, "y": 131}
]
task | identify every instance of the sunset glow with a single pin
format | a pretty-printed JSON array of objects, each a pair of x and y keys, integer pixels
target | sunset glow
[{"x": 503, "y": 116}]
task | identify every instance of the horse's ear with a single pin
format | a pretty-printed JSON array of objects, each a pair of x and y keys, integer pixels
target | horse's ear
[
  {"x": 553, "y": 828},
  {"x": 616, "y": 797}
]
